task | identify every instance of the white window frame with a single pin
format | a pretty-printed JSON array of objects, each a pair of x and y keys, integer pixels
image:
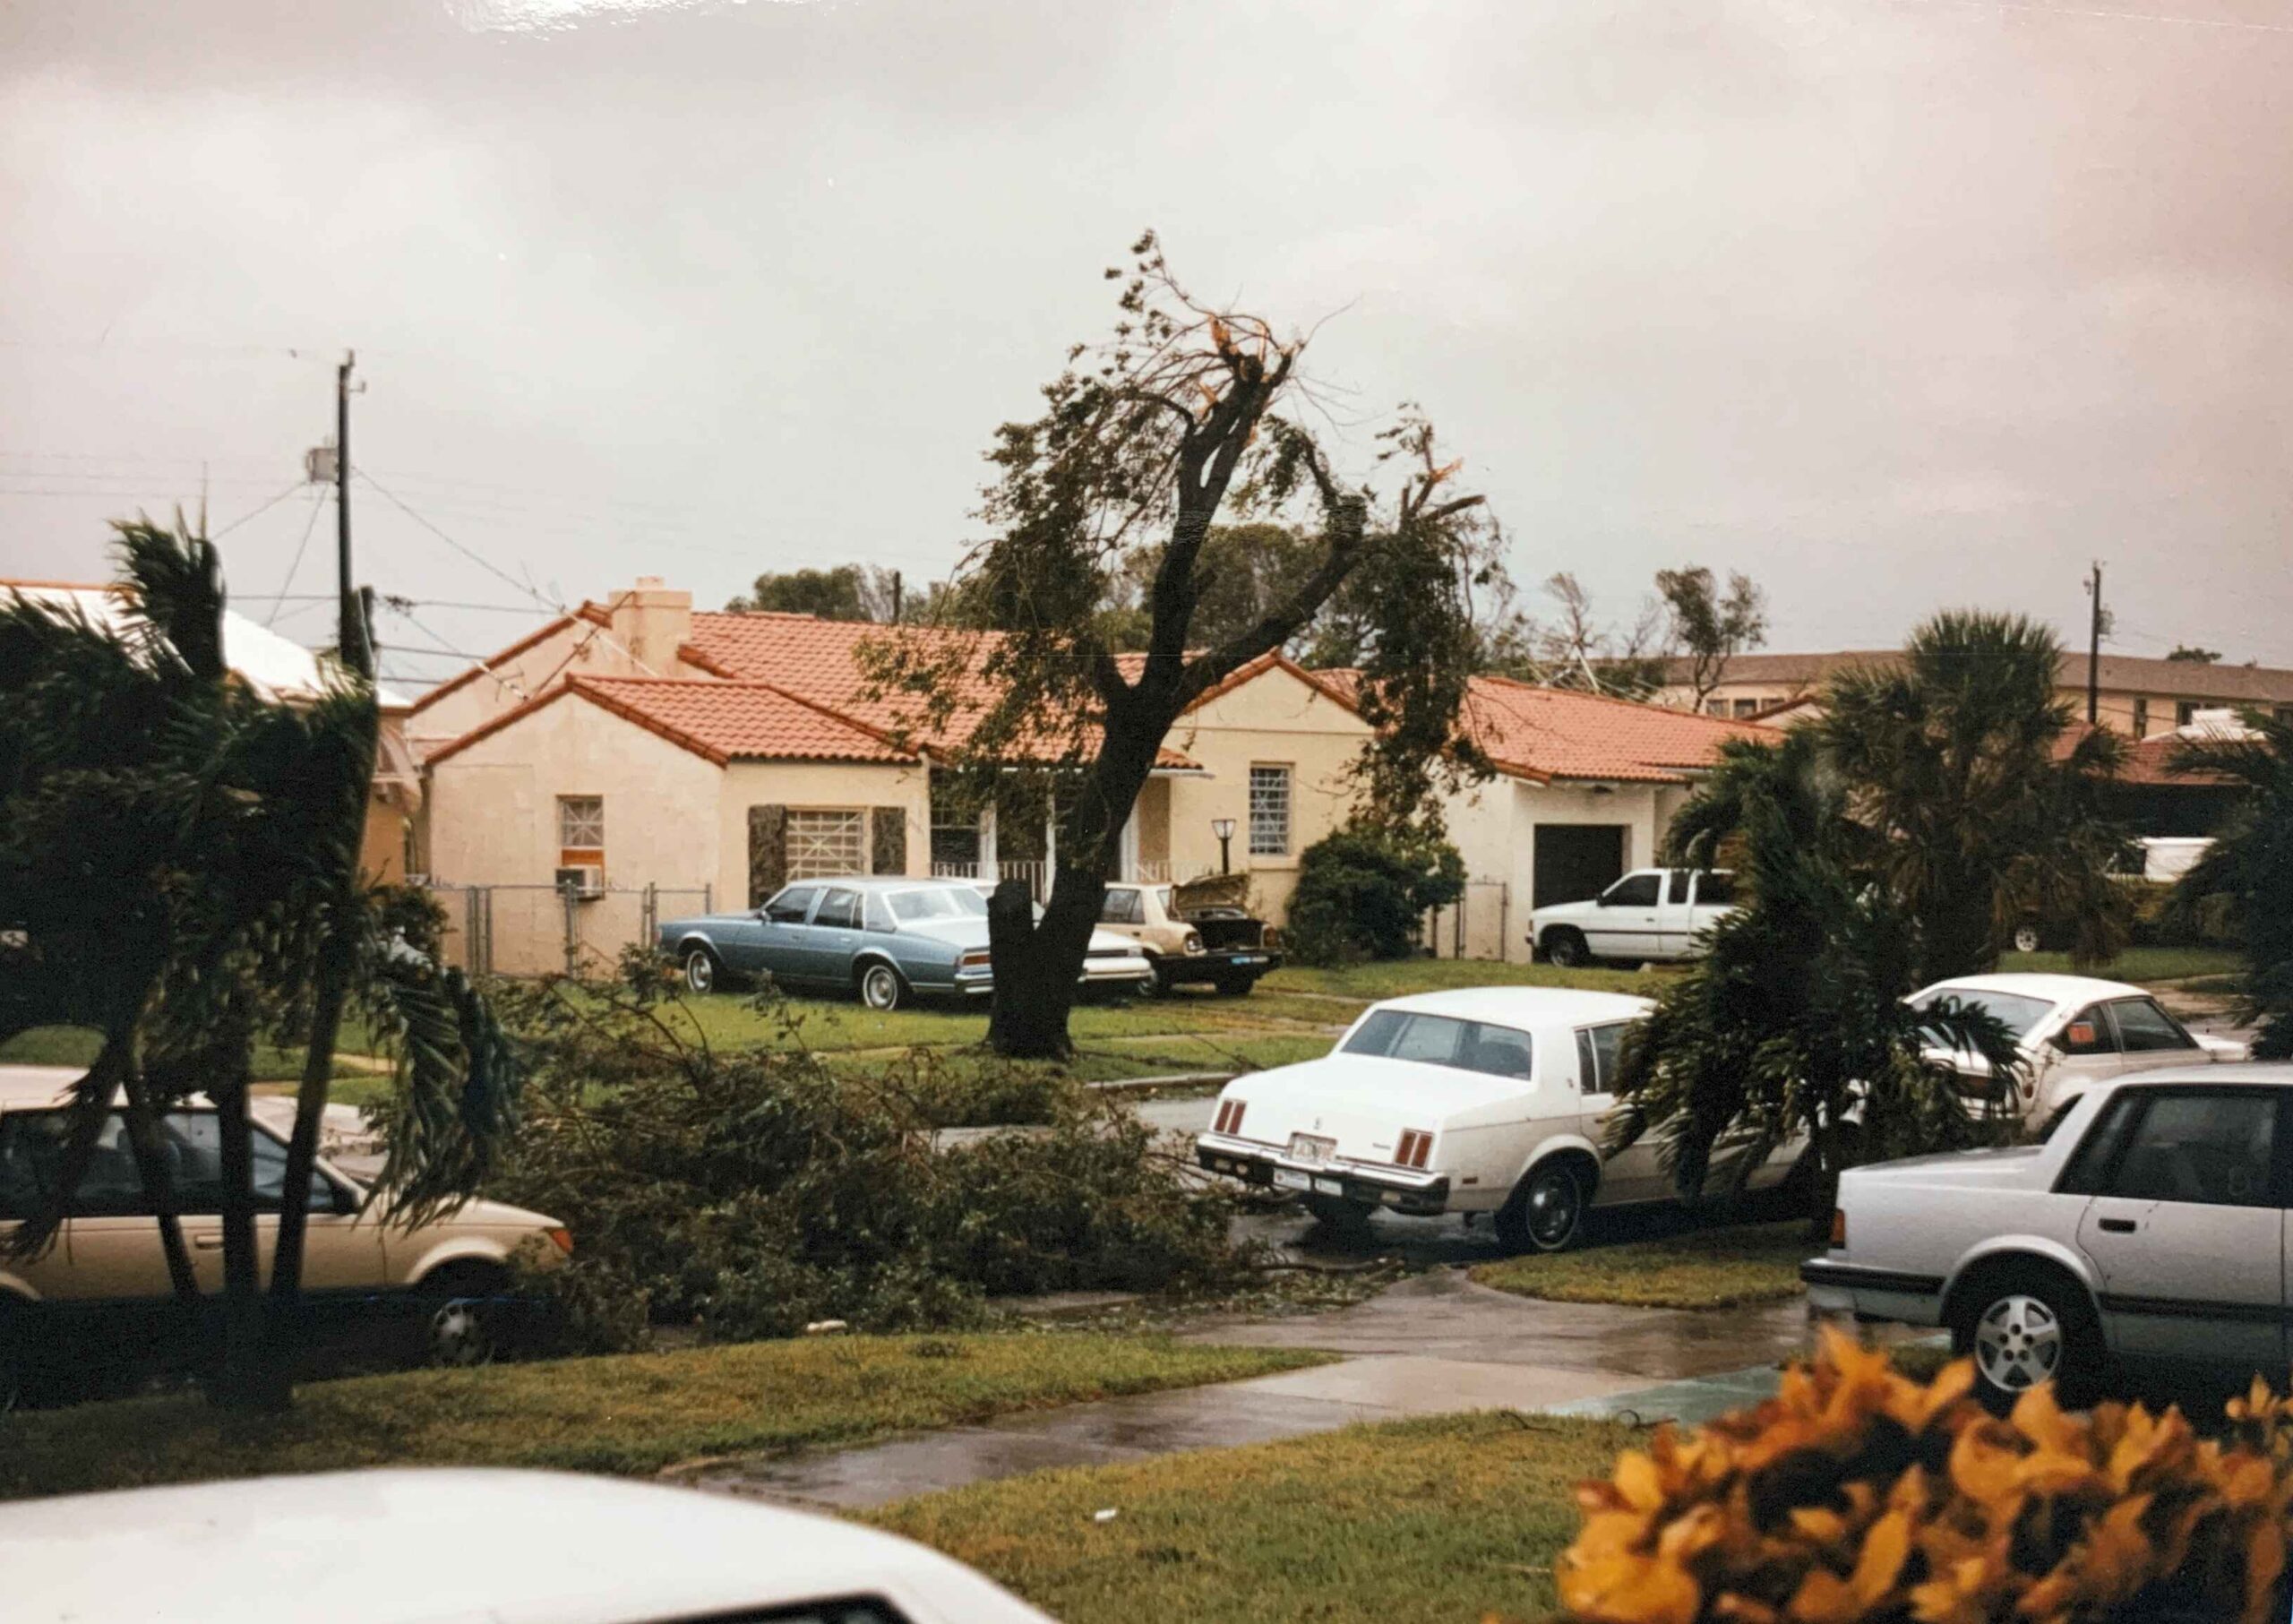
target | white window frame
[
  {"x": 804, "y": 866},
  {"x": 1270, "y": 773}
]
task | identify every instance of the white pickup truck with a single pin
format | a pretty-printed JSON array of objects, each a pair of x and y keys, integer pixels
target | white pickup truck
[{"x": 1650, "y": 914}]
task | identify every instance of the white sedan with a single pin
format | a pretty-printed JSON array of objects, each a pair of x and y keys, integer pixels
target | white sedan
[
  {"x": 1480, "y": 1100},
  {"x": 2150, "y": 1222},
  {"x": 469, "y": 1546},
  {"x": 2073, "y": 1031}
]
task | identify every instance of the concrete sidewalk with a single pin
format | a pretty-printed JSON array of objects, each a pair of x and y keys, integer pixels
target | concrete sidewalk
[{"x": 1435, "y": 1344}]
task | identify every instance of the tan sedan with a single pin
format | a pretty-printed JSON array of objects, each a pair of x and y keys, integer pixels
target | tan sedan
[{"x": 455, "y": 1270}]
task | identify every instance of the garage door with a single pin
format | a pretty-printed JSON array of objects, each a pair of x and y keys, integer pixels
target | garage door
[{"x": 1574, "y": 861}]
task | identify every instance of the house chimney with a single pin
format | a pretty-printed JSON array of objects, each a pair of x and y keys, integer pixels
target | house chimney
[{"x": 652, "y": 622}]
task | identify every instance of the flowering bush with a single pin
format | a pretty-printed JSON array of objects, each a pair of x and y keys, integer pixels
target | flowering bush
[{"x": 1857, "y": 1494}]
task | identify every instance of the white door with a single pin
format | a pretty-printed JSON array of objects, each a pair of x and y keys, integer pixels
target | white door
[
  {"x": 1632, "y": 1175},
  {"x": 1626, "y": 922},
  {"x": 2187, "y": 1225}
]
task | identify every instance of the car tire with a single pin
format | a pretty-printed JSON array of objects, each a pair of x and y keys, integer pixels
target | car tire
[
  {"x": 882, "y": 988},
  {"x": 1157, "y": 985},
  {"x": 1342, "y": 1217},
  {"x": 1235, "y": 986},
  {"x": 1566, "y": 948},
  {"x": 15, "y": 1353},
  {"x": 2026, "y": 939},
  {"x": 702, "y": 971},
  {"x": 2025, "y": 1325},
  {"x": 464, "y": 1315},
  {"x": 1545, "y": 1213}
]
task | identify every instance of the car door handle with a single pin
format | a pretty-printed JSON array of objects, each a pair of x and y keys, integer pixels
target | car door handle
[
  {"x": 2120, "y": 1226},
  {"x": 208, "y": 1242}
]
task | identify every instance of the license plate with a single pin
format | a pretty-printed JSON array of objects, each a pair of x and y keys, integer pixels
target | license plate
[
  {"x": 1306, "y": 1148},
  {"x": 1249, "y": 959},
  {"x": 1328, "y": 1187},
  {"x": 1283, "y": 1179}
]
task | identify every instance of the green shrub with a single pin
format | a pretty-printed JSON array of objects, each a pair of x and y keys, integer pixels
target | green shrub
[
  {"x": 755, "y": 1191},
  {"x": 1857, "y": 1495},
  {"x": 1363, "y": 894}
]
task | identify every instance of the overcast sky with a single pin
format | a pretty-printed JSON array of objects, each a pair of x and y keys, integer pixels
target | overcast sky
[{"x": 1892, "y": 304}]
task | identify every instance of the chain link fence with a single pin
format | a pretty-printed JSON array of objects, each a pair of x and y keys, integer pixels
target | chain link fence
[{"x": 547, "y": 929}]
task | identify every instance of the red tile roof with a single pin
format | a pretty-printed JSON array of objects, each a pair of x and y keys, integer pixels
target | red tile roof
[
  {"x": 720, "y": 721},
  {"x": 2148, "y": 763},
  {"x": 820, "y": 660}
]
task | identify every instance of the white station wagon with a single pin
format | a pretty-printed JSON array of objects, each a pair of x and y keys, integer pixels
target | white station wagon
[
  {"x": 1481, "y": 1100},
  {"x": 2150, "y": 1222}
]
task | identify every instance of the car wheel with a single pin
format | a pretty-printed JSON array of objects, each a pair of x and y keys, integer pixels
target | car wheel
[
  {"x": 700, "y": 970},
  {"x": 15, "y": 1350},
  {"x": 462, "y": 1317},
  {"x": 881, "y": 988},
  {"x": 1566, "y": 948},
  {"x": 2026, "y": 939},
  {"x": 1157, "y": 985},
  {"x": 1346, "y": 1217},
  {"x": 1545, "y": 1212},
  {"x": 2025, "y": 1327}
]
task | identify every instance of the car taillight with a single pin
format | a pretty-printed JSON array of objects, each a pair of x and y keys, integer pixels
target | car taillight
[
  {"x": 1415, "y": 1147},
  {"x": 973, "y": 959},
  {"x": 561, "y": 1238},
  {"x": 1229, "y": 1116},
  {"x": 1838, "y": 1226}
]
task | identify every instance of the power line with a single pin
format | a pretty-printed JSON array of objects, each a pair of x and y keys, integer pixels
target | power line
[
  {"x": 479, "y": 559},
  {"x": 259, "y": 512},
  {"x": 310, "y": 524},
  {"x": 2233, "y": 24}
]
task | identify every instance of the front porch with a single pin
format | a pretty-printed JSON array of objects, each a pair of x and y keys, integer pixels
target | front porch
[{"x": 987, "y": 844}]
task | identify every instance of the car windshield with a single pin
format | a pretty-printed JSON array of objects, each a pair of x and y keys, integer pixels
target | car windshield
[
  {"x": 937, "y": 902},
  {"x": 1443, "y": 1040},
  {"x": 2018, "y": 1014}
]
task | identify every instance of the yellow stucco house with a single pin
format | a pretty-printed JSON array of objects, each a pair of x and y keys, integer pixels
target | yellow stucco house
[{"x": 638, "y": 758}]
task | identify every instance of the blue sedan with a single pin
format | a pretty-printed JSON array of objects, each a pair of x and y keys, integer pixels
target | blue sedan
[{"x": 891, "y": 940}]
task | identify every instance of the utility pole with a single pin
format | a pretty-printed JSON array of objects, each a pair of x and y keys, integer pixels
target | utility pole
[
  {"x": 896, "y": 598},
  {"x": 354, "y": 640},
  {"x": 2094, "y": 650}
]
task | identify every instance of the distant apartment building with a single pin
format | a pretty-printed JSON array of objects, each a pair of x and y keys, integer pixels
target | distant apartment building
[{"x": 2139, "y": 698}]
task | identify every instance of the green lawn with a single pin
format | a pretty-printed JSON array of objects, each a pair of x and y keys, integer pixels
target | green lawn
[
  {"x": 1697, "y": 1268},
  {"x": 630, "y": 1413},
  {"x": 1453, "y": 1519},
  {"x": 77, "y": 1046},
  {"x": 1367, "y": 983},
  {"x": 2142, "y": 966}
]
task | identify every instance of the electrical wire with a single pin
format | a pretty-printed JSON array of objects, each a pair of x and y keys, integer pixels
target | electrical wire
[
  {"x": 310, "y": 524},
  {"x": 479, "y": 559},
  {"x": 259, "y": 512}
]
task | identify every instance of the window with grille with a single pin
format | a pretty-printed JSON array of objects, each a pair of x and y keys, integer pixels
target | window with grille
[
  {"x": 823, "y": 845},
  {"x": 580, "y": 831},
  {"x": 1269, "y": 811}
]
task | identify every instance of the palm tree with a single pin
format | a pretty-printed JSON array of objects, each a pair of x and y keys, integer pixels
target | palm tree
[
  {"x": 1793, "y": 1022},
  {"x": 2245, "y": 879},
  {"x": 1983, "y": 808},
  {"x": 178, "y": 871}
]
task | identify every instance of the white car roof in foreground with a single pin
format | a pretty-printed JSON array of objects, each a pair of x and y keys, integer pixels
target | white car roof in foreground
[
  {"x": 451, "y": 1545},
  {"x": 22, "y": 1086},
  {"x": 2277, "y": 1072},
  {"x": 1524, "y": 1006},
  {"x": 2056, "y": 989}
]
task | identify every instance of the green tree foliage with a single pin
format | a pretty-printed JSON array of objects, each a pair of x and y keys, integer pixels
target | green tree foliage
[
  {"x": 1185, "y": 417},
  {"x": 1792, "y": 1022},
  {"x": 755, "y": 1191},
  {"x": 178, "y": 868},
  {"x": 853, "y": 592},
  {"x": 1363, "y": 892},
  {"x": 1983, "y": 808},
  {"x": 2190, "y": 654},
  {"x": 2244, "y": 881},
  {"x": 1706, "y": 628}
]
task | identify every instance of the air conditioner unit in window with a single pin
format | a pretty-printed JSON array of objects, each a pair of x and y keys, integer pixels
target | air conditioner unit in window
[{"x": 586, "y": 881}]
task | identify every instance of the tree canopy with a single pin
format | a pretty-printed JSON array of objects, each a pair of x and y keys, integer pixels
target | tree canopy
[
  {"x": 1186, "y": 416},
  {"x": 2245, "y": 879}
]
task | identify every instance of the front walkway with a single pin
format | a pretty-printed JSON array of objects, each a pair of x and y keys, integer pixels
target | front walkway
[{"x": 1434, "y": 1344}]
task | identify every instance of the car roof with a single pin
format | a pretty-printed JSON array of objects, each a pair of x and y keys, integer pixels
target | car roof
[
  {"x": 21, "y": 1086},
  {"x": 2031, "y": 984},
  {"x": 2277, "y": 1073},
  {"x": 1524, "y": 1006},
  {"x": 400, "y": 1545},
  {"x": 889, "y": 882}
]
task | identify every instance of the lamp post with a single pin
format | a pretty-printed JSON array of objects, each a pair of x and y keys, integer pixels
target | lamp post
[{"x": 1224, "y": 828}]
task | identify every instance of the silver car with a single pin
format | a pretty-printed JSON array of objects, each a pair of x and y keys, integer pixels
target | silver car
[
  {"x": 2148, "y": 1222},
  {"x": 890, "y": 938}
]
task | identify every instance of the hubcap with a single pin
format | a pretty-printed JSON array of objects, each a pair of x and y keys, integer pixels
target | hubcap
[
  {"x": 2026, "y": 941},
  {"x": 2018, "y": 1343},
  {"x": 1552, "y": 1208},
  {"x": 699, "y": 975},
  {"x": 882, "y": 989},
  {"x": 458, "y": 1336}
]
